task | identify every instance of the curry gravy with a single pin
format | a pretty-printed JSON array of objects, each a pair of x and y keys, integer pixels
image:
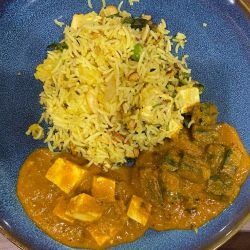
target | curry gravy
[{"x": 179, "y": 201}]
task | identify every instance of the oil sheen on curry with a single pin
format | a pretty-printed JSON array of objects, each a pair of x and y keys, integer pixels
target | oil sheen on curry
[{"x": 181, "y": 184}]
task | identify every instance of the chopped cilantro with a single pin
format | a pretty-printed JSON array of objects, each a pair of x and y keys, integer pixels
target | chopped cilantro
[{"x": 157, "y": 104}]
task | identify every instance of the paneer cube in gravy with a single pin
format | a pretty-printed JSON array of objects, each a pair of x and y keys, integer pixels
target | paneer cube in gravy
[
  {"x": 139, "y": 210},
  {"x": 103, "y": 188},
  {"x": 65, "y": 174},
  {"x": 101, "y": 236},
  {"x": 84, "y": 207}
]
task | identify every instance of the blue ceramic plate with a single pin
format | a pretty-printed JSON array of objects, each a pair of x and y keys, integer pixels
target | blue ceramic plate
[{"x": 219, "y": 56}]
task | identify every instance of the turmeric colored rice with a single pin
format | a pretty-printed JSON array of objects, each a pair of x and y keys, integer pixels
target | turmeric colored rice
[{"x": 112, "y": 87}]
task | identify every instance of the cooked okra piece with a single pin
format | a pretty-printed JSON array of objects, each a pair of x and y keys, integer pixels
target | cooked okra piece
[
  {"x": 151, "y": 186},
  {"x": 215, "y": 154},
  {"x": 231, "y": 162},
  {"x": 221, "y": 189},
  {"x": 205, "y": 134},
  {"x": 194, "y": 169},
  {"x": 170, "y": 185},
  {"x": 204, "y": 114},
  {"x": 185, "y": 143},
  {"x": 171, "y": 160}
]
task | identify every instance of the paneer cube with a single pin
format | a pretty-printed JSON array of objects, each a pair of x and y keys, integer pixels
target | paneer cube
[
  {"x": 60, "y": 208},
  {"x": 103, "y": 189},
  {"x": 146, "y": 114},
  {"x": 188, "y": 96},
  {"x": 79, "y": 19},
  {"x": 174, "y": 126},
  {"x": 65, "y": 174},
  {"x": 99, "y": 235},
  {"x": 148, "y": 105},
  {"x": 139, "y": 210},
  {"x": 76, "y": 21},
  {"x": 84, "y": 207}
]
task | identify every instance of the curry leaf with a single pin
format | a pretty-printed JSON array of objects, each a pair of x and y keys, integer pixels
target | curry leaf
[
  {"x": 114, "y": 15},
  {"x": 60, "y": 46},
  {"x": 136, "y": 23}
]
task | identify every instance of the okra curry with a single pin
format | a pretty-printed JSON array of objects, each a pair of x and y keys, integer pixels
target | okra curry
[{"x": 181, "y": 184}]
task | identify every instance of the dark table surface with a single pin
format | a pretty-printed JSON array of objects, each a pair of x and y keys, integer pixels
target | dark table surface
[{"x": 240, "y": 241}]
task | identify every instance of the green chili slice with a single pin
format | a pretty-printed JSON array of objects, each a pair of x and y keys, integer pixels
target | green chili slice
[{"x": 137, "y": 52}]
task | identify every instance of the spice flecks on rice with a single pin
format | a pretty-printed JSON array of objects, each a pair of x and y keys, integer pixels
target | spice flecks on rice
[{"x": 103, "y": 103}]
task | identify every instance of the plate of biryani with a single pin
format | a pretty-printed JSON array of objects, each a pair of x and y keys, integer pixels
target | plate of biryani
[{"x": 124, "y": 124}]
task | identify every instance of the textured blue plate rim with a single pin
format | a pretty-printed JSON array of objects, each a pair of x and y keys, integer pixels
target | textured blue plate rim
[
  {"x": 212, "y": 246},
  {"x": 232, "y": 232}
]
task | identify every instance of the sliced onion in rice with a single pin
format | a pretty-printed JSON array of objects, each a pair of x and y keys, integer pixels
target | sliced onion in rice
[
  {"x": 110, "y": 90},
  {"x": 92, "y": 101}
]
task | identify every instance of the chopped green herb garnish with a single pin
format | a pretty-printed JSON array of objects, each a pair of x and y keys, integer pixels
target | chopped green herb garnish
[
  {"x": 186, "y": 75},
  {"x": 60, "y": 46},
  {"x": 137, "y": 52},
  {"x": 168, "y": 83},
  {"x": 157, "y": 104},
  {"x": 183, "y": 81},
  {"x": 167, "y": 127},
  {"x": 114, "y": 15},
  {"x": 184, "y": 78},
  {"x": 200, "y": 86},
  {"x": 201, "y": 89},
  {"x": 174, "y": 95}
]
